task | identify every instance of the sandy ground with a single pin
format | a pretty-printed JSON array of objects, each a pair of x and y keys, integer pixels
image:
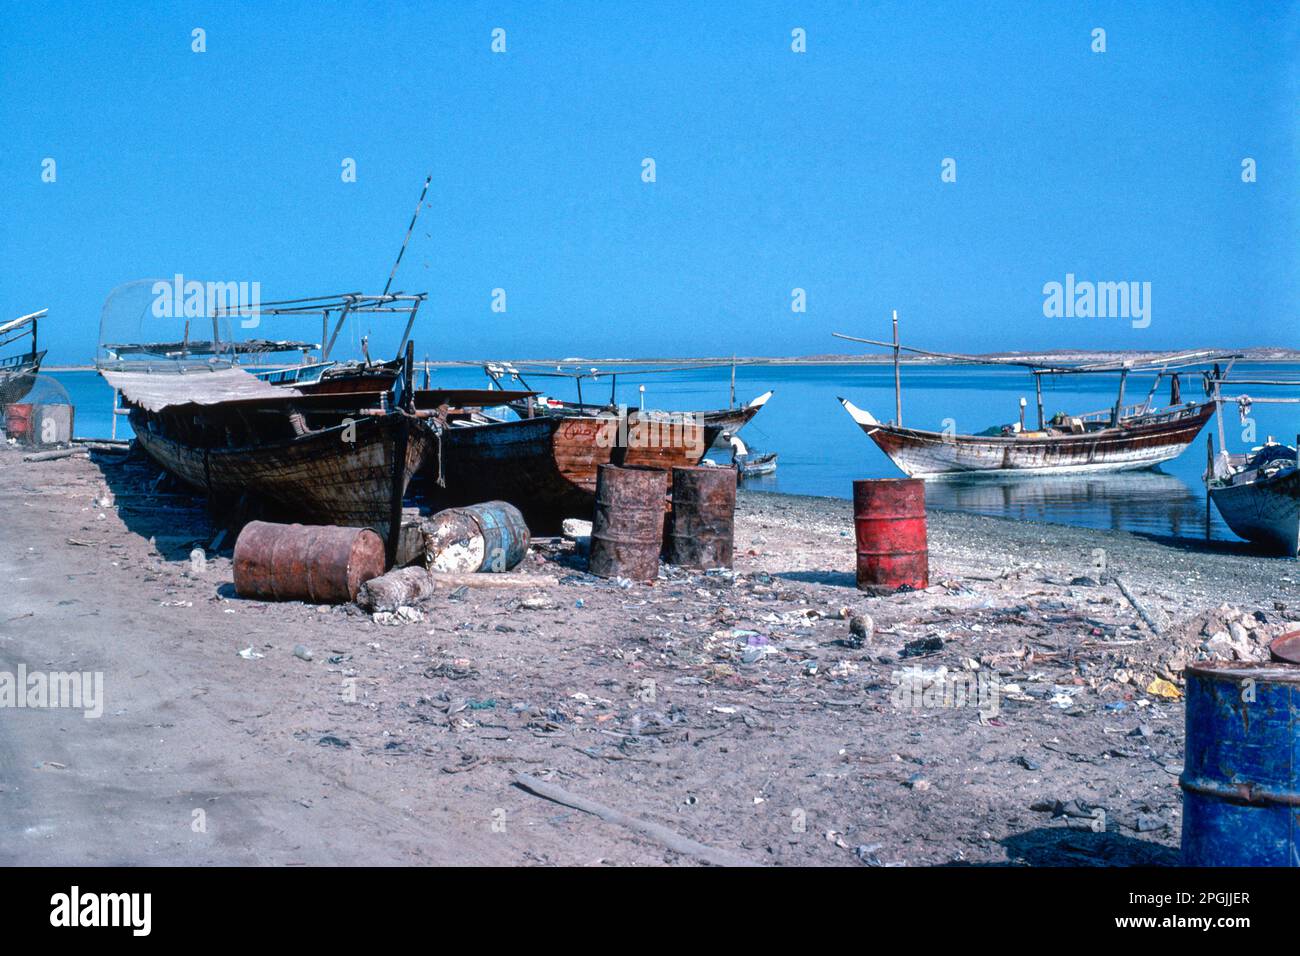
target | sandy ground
[{"x": 733, "y": 709}]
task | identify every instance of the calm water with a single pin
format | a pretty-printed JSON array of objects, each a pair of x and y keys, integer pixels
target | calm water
[{"x": 822, "y": 451}]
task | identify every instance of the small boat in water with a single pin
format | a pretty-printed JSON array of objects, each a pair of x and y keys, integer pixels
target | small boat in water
[
  {"x": 1114, "y": 439},
  {"x": 752, "y": 466},
  {"x": 1258, "y": 496},
  {"x": 18, "y": 372}
]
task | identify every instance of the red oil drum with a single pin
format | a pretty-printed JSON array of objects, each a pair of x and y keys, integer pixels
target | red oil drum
[
  {"x": 889, "y": 519},
  {"x": 317, "y": 563},
  {"x": 702, "y": 523},
  {"x": 18, "y": 423},
  {"x": 627, "y": 529}
]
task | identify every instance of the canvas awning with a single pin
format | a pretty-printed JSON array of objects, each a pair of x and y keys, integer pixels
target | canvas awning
[{"x": 154, "y": 391}]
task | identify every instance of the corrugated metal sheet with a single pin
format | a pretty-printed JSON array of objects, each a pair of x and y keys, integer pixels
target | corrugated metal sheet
[{"x": 154, "y": 391}]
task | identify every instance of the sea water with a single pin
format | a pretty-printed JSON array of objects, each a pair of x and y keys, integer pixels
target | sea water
[{"x": 822, "y": 451}]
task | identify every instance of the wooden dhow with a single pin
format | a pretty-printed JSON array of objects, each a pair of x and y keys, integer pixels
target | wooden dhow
[
  {"x": 546, "y": 466},
  {"x": 1122, "y": 437},
  {"x": 335, "y": 458}
]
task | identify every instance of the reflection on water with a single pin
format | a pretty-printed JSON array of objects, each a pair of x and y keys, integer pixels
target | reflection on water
[{"x": 1144, "y": 501}]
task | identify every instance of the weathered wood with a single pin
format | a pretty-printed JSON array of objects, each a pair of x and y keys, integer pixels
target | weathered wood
[
  {"x": 57, "y": 454},
  {"x": 674, "y": 841}
]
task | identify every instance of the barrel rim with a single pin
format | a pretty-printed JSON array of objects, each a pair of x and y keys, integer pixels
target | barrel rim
[
  {"x": 1285, "y": 649},
  {"x": 1276, "y": 672}
]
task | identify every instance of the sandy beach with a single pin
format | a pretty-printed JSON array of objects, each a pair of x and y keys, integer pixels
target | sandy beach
[{"x": 738, "y": 710}]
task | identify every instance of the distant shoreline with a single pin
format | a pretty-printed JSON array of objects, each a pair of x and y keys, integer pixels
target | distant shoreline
[{"x": 1280, "y": 356}]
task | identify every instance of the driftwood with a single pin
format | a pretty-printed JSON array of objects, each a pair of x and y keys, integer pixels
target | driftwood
[
  {"x": 486, "y": 580},
  {"x": 413, "y": 585},
  {"x": 674, "y": 841},
  {"x": 1137, "y": 605},
  {"x": 401, "y": 588},
  {"x": 57, "y": 454}
]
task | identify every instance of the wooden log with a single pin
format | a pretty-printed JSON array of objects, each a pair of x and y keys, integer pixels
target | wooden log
[
  {"x": 404, "y": 587},
  {"x": 1137, "y": 605},
  {"x": 57, "y": 454},
  {"x": 413, "y": 585}
]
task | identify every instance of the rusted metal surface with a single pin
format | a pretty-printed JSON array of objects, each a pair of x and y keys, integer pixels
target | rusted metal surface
[
  {"x": 628, "y": 525},
  {"x": 492, "y": 536},
  {"x": 18, "y": 422},
  {"x": 546, "y": 466},
  {"x": 317, "y": 563},
  {"x": 702, "y": 524},
  {"x": 1286, "y": 649},
  {"x": 1241, "y": 775},
  {"x": 889, "y": 521}
]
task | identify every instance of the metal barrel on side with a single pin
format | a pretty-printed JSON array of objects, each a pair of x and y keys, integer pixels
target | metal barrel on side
[
  {"x": 702, "y": 524},
  {"x": 1241, "y": 771},
  {"x": 889, "y": 522},
  {"x": 627, "y": 530},
  {"x": 322, "y": 564},
  {"x": 491, "y": 536}
]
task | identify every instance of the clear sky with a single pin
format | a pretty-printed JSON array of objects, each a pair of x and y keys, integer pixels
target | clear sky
[{"x": 775, "y": 170}]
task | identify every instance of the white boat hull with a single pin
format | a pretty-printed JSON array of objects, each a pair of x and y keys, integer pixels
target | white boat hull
[{"x": 1144, "y": 444}]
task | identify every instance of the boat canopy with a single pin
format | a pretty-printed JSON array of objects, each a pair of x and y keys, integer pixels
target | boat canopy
[
  {"x": 155, "y": 391},
  {"x": 17, "y": 328}
]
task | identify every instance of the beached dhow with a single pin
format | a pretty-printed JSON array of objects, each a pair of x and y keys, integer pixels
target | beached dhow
[
  {"x": 324, "y": 459},
  {"x": 1121, "y": 437},
  {"x": 342, "y": 458},
  {"x": 1258, "y": 495},
  {"x": 546, "y": 465},
  {"x": 18, "y": 372}
]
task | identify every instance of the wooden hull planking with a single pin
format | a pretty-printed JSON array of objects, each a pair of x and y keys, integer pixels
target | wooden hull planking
[
  {"x": 927, "y": 454},
  {"x": 320, "y": 476},
  {"x": 546, "y": 466}
]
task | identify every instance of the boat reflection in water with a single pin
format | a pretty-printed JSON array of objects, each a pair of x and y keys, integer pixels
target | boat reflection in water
[{"x": 1146, "y": 502}]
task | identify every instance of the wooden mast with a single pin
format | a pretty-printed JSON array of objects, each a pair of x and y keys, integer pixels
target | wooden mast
[{"x": 898, "y": 390}]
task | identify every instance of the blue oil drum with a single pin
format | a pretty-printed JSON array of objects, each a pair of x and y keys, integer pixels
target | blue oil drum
[
  {"x": 492, "y": 536},
  {"x": 1241, "y": 775}
]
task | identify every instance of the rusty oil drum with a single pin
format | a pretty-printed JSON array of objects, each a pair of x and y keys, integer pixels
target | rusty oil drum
[
  {"x": 316, "y": 563},
  {"x": 889, "y": 521},
  {"x": 627, "y": 529},
  {"x": 18, "y": 422},
  {"x": 1241, "y": 767},
  {"x": 703, "y": 521}
]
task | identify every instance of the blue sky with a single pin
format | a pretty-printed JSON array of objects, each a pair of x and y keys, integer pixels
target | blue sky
[{"x": 775, "y": 170}]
